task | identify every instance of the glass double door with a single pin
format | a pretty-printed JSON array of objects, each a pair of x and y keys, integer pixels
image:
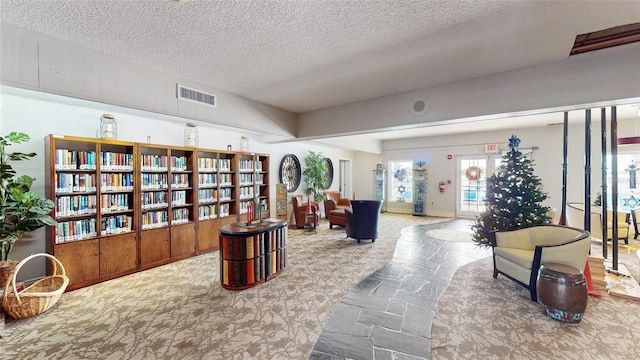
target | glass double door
[{"x": 472, "y": 183}]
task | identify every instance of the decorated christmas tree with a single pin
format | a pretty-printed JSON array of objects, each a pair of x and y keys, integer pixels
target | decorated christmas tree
[{"x": 514, "y": 197}]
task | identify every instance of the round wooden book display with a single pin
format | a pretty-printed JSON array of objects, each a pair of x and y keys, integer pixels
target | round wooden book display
[{"x": 562, "y": 291}]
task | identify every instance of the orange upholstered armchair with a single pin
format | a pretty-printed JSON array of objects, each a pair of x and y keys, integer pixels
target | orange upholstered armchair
[
  {"x": 334, "y": 201},
  {"x": 299, "y": 208}
]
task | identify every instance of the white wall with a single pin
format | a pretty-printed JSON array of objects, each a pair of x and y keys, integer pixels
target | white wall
[
  {"x": 607, "y": 75},
  {"x": 32, "y": 61},
  {"x": 547, "y": 160}
]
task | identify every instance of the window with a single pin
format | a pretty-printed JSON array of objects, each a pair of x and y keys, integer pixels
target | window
[
  {"x": 628, "y": 186},
  {"x": 401, "y": 180}
]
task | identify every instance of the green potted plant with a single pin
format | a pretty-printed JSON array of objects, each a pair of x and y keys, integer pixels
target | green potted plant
[
  {"x": 21, "y": 210},
  {"x": 314, "y": 175}
]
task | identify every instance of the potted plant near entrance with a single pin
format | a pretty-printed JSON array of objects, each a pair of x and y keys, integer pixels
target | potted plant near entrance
[
  {"x": 21, "y": 210},
  {"x": 315, "y": 175}
]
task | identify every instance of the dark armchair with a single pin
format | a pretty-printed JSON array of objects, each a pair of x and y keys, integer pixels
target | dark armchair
[
  {"x": 362, "y": 219},
  {"x": 334, "y": 201},
  {"x": 299, "y": 208}
]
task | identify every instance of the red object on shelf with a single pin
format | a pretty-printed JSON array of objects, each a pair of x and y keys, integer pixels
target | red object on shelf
[
  {"x": 250, "y": 212},
  {"x": 590, "y": 289},
  {"x": 354, "y": 196},
  {"x": 309, "y": 206}
]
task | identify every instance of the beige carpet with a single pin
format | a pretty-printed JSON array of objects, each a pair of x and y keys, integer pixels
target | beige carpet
[
  {"x": 180, "y": 311},
  {"x": 480, "y": 317}
]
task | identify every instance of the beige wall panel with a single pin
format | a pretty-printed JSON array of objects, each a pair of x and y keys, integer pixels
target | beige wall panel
[{"x": 18, "y": 57}]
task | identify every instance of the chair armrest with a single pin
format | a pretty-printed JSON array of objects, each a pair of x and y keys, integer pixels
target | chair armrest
[
  {"x": 345, "y": 202},
  {"x": 329, "y": 205},
  {"x": 303, "y": 207},
  {"x": 348, "y": 215},
  {"x": 516, "y": 239},
  {"x": 492, "y": 238},
  {"x": 573, "y": 252}
]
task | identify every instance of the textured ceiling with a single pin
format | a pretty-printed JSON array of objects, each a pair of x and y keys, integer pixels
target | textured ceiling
[
  {"x": 308, "y": 55},
  {"x": 302, "y": 55}
]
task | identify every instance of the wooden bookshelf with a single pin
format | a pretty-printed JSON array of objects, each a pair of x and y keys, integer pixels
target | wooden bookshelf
[
  {"x": 91, "y": 183},
  {"x": 168, "y": 216},
  {"x": 251, "y": 254},
  {"x": 123, "y": 207}
]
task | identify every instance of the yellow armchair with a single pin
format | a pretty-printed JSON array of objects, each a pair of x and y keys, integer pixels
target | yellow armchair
[{"x": 575, "y": 218}]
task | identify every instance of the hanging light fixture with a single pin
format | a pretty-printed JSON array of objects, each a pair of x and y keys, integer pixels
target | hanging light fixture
[{"x": 632, "y": 169}]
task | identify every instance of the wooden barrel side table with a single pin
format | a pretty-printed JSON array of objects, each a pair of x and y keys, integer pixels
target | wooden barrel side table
[{"x": 562, "y": 291}]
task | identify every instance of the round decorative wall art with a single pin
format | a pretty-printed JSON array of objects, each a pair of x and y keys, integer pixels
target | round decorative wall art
[
  {"x": 329, "y": 174},
  {"x": 290, "y": 172}
]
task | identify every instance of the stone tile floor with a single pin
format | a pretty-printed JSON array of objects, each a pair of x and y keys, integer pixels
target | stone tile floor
[{"x": 388, "y": 314}]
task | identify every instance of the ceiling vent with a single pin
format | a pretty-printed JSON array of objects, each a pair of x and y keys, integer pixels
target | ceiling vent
[
  {"x": 186, "y": 93},
  {"x": 615, "y": 36}
]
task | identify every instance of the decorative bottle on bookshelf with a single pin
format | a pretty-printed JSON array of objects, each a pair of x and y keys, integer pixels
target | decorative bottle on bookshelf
[
  {"x": 108, "y": 127},
  {"x": 191, "y": 135}
]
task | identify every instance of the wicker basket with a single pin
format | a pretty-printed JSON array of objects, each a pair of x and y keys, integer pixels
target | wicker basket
[{"x": 38, "y": 297}]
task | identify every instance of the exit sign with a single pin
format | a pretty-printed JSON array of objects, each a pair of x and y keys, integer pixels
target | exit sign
[{"x": 491, "y": 148}]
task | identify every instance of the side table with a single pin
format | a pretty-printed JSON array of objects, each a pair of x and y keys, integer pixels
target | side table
[
  {"x": 562, "y": 291},
  {"x": 310, "y": 223}
]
